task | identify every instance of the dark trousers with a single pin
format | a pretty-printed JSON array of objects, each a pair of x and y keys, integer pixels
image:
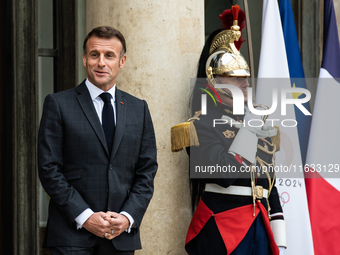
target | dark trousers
[
  {"x": 209, "y": 241},
  {"x": 102, "y": 247},
  {"x": 256, "y": 240}
]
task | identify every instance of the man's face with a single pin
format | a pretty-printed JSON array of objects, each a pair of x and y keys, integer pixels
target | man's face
[
  {"x": 102, "y": 61},
  {"x": 240, "y": 82}
]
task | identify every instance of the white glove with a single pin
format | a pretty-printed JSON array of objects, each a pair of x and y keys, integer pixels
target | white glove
[
  {"x": 257, "y": 125},
  {"x": 279, "y": 229},
  {"x": 282, "y": 250},
  {"x": 245, "y": 145},
  {"x": 255, "y": 120}
]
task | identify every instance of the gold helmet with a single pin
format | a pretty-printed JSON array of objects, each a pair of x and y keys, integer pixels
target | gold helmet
[{"x": 224, "y": 57}]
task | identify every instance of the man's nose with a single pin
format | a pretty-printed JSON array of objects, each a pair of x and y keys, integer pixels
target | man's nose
[
  {"x": 101, "y": 61},
  {"x": 245, "y": 83}
]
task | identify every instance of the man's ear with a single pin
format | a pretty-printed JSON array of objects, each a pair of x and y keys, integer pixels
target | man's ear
[
  {"x": 84, "y": 59},
  {"x": 122, "y": 61}
]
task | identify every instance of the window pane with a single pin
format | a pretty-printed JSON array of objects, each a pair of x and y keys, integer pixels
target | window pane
[{"x": 45, "y": 24}]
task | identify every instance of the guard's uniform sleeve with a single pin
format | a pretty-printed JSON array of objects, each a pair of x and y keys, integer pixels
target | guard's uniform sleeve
[
  {"x": 213, "y": 152},
  {"x": 277, "y": 223}
]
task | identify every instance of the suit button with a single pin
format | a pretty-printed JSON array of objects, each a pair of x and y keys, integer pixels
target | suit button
[
  {"x": 110, "y": 167},
  {"x": 107, "y": 190}
]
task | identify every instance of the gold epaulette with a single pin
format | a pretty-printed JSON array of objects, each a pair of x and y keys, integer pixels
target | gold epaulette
[
  {"x": 276, "y": 139},
  {"x": 184, "y": 134}
]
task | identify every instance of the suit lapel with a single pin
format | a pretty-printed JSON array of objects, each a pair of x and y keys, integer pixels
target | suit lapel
[
  {"x": 120, "y": 121},
  {"x": 86, "y": 104}
]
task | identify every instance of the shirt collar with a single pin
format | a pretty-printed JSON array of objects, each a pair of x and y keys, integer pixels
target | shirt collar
[{"x": 95, "y": 91}]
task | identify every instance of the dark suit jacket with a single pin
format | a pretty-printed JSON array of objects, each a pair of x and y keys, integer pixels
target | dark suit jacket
[{"x": 77, "y": 171}]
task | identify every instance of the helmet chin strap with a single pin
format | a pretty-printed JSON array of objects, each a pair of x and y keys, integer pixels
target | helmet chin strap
[
  {"x": 212, "y": 82},
  {"x": 224, "y": 93}
]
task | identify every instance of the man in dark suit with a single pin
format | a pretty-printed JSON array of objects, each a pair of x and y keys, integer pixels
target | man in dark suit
[{"x": 97, "y": 157}]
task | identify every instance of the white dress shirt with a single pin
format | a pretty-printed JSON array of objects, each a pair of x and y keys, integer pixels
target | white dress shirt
[{"x": 98, "y": 105}]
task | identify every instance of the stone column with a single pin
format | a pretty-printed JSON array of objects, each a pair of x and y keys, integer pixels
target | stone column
[
  {"x": 24, "y": 128},
  {"x": 164, "y": 41}
]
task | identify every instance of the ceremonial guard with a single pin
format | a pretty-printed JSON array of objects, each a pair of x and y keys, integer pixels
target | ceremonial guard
[{"x": 237, "y": 209}]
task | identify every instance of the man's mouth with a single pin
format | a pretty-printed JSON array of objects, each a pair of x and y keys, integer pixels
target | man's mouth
[{"x": 100, "y": 73}]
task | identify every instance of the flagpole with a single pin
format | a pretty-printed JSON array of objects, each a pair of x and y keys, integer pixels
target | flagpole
[{"x": 250, "y": 49}]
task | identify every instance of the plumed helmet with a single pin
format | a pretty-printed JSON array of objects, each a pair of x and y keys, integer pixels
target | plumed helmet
[{"x": 224, "y": 56}]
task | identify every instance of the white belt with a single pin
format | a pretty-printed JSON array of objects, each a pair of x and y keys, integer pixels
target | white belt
[{"x": 260, "y": 192}]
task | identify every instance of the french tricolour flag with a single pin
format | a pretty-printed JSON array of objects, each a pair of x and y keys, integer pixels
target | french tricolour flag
[
  {"x": 274, "y": 72},
  {"x": 323, "y": 155},
  {"x": 301, "y": 244}
]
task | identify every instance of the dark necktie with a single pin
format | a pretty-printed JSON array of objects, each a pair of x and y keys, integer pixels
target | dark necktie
[{"x": 108, "y": 119}]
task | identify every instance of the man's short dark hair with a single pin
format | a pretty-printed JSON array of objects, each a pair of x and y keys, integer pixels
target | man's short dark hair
[{"x": 108, "y": 33}]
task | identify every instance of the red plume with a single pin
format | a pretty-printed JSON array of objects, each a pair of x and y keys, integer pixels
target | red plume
[
  {"x": 227, "y": 18},
  {"x": 235, "y": 9}
]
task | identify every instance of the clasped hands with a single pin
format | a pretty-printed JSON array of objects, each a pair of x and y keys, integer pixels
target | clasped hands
[{"x": 107, "y": 225}]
